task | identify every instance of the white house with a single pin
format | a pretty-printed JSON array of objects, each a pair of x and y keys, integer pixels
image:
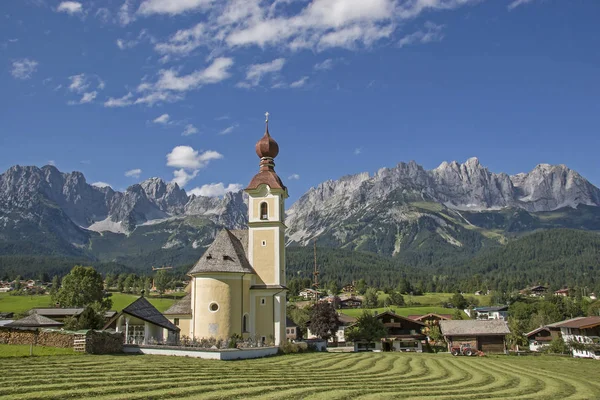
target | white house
[
  {"x": 339, "y": 337},
  {"x": 583, "y": 334},
  {"x": 538, "y": 338},
  {"x": 487, "y": 313},
  {"x": 308, "y": 294}
]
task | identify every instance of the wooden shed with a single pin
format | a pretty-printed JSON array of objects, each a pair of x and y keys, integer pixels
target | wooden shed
[{"x": 487, "y": 336}]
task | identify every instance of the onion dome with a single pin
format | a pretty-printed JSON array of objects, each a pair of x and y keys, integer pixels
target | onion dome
[
  {"x": 266, "y": 149},
  {"x": 267, "y": 146}
]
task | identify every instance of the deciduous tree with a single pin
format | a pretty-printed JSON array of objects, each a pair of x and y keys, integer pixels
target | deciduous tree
[
  {"x": 367, "y": 328},
  {"x": 324, "y": 321},
  {"x": 81, "y": 287}
]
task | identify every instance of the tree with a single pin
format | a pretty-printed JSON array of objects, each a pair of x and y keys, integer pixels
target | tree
[
  {"x": 129, "y": 283},
  {"x": 91, "y": 318},
  {"x": 516, "y": 337},
  {"x": 367, "y": 328},
  {"x": 396, "y": 298},
  {"x": 361, "y": 286},
  {"x": 557, "y": 346},
  {"x": 81, "y": 287},
  {"x": 435, "y": 334},
  {"x": 458, "y": 301},
  {"x": 162, "y": 281},
  {"x": 121, "y": 283},
  {"x": 333, "y": 288},
  {"x": 18, "y": 283},
  {"x": 594, "y": 309},
  {"x": 404, "y": 286},
  {"x": 457, "y": 315},
  {"x": 324, "y": 321},
  {"x": 55, "y": 286},
  {"x": 300, "y": 316},
  {"x": 370, "y": 298},
  {"x": 110, "y": 280}
]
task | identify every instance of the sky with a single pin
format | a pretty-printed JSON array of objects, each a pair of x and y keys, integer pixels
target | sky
[{"x": 125, "y": 90}]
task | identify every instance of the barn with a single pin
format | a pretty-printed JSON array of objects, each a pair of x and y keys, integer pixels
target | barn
[{"x": 487, "y": 336}]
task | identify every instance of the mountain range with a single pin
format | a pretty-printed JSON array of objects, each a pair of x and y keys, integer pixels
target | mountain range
[{"x": 421, "y": 217}]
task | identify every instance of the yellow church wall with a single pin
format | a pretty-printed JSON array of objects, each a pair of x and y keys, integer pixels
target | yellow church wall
[
  {"x": 232, "y": 300},
  {"x": 270, "y": 210},
  {"x": 282, "y": 278},
  {"x": 185, "y": 323},
  {"x": 263, "y": 257},
  {"x": 264, "y": 317}
]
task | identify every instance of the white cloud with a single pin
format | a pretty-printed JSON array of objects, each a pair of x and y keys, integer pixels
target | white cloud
[
  {"x": 126, "y": 12},
  {"x": 517, "y": 3},
  {"x": 101, "y": 184},
  {"x": 81, "y": 82},
  {"x": 214, "y": 73},
  {"x": 188, "y": 158},
  {"x": 70, "y": 7},
  {"x": 294, "y": 177},
  {"x": 182, "y": 177},
  {"x": 142, "y": 36},
  {"x": 119, "y": 102},
  {"x": 215, "y": 189},
  {"x": 133, "y": 173},
  {"x": 163, "y": 119},
  {"x": 23, "y": 68},
  {"x": 229, "y": 129},
  {"x": 326, "y": 64},
  {"x": 158, "y": 97},
  {"x": 172, "y": 7},
  {"x": 189, "y": 130},
  {"x": 52, "y": 162},
  {"x": 255, "y": 72},
  {"x": 357, "y": 151},
  {"x": 184, "y": 41},
  {"x": 104, "y": 15},
  {"x": 431, "y": 33},
  {"x": 88, "y": 97},
  {"x": 299, "y": 83}
]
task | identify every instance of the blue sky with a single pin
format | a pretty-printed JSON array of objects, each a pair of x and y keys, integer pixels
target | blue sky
[{"x": 130, "y": 89}]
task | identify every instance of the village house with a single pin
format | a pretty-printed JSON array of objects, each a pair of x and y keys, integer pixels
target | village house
[
  {"x": 562, "y": 292},
  {"x": 534, "y": 291},
  {"x": 309, "y": 294},
  {"x": 431, "y": 318},
  {"x": 488, "y": 336},
  {"x": 538, "y": 338},
  {"x": 487, "y": 313},
  {"x": 582, "y": 334},
  {"x": 351, "y": 302},
  {"x": 238, "y": 285},
  {"x": 291, "y": 329},
  {"x": 403, "y": 334},
  {"x": 349, "y": 288}
]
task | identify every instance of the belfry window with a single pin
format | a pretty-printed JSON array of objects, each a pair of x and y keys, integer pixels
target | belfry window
[{"x": 264, "y": 211}]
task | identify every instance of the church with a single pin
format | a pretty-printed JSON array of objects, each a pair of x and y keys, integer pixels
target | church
[{"x": 238, "y": 285}]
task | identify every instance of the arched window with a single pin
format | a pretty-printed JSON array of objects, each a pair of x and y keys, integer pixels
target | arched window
[
  {"x": 245, "y": 323},
  {"x": 264, "y": 211}
]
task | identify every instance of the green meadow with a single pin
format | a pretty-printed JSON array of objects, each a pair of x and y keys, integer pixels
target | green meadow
[
  {"x": 20, "y": 304},
  {"x": 301, "y": 376}
]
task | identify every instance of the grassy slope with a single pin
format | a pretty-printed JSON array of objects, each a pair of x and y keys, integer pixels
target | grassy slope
[
  {"x": 22, "y": 350},
  {"x": 19, "y": 304},
  {"x": 402, "y": 311},
  {"x": 435, "y": 299},
  {"x": 302, "y": 376}
]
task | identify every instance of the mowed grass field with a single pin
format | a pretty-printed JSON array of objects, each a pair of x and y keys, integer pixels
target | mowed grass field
[
  {"x": 301, "y": 376},
  {"x": 402, "y": 311},
  {"x": 19, "y": 304}
]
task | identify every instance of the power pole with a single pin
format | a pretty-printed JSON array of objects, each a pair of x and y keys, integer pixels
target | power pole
[{"x": 315, "y": 270}]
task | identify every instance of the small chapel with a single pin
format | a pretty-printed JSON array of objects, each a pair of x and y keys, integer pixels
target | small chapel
[{"x": 238, "y": 285}]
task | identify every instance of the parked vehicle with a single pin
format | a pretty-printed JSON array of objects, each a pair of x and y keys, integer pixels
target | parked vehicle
[{"x": 463, "y": 350}]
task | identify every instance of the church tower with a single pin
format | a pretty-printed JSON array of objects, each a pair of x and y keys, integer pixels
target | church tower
[{"x": 266, "y": 243}]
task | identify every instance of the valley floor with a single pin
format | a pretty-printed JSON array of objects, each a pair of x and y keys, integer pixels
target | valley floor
[{"x": 301, "y": 376}]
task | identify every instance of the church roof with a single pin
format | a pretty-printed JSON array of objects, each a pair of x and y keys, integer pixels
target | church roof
[
  {"x": 142, "y": 309},
  {"x": 183, "y": 306},
  {"x": 226, "y": 254}
]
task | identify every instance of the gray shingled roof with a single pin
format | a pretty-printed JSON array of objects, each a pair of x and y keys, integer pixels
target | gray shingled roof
[
  {"x": 474, "y": 327},
  {"x": 183, "y": 306},
  {"x": 142, "y": 309},
  {"x": 34, "y": 321},
  {"x": 225, "y": 254}
]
